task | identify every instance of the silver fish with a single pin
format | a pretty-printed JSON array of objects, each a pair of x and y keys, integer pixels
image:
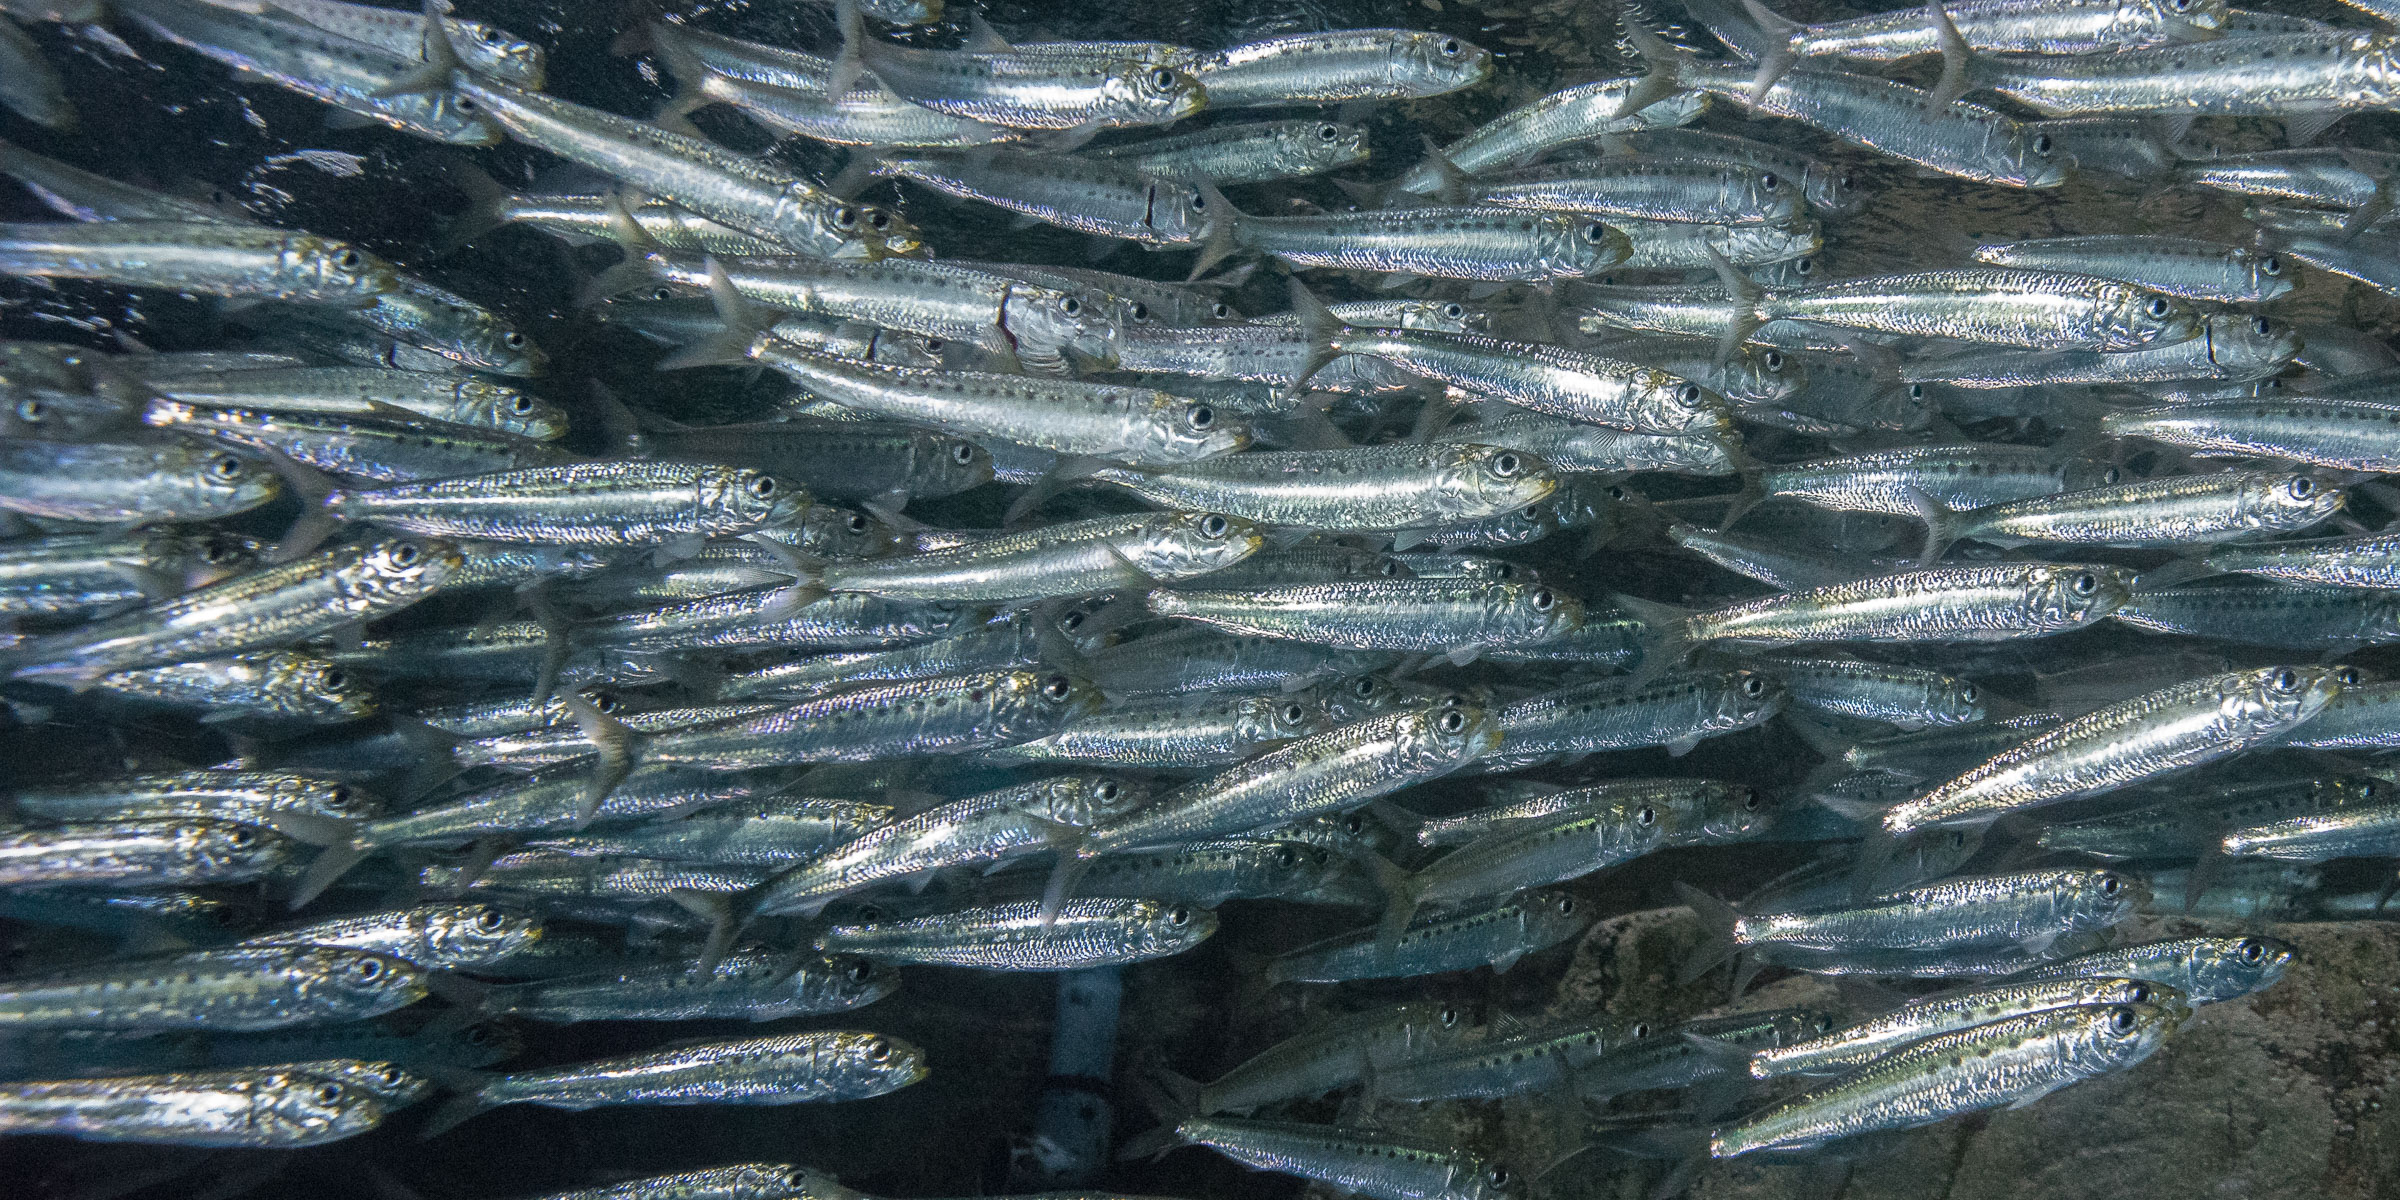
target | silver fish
[
  {"x": 1017, "y": 937},
  {"x": 1340, "y": 66},
  {"x": 233, "y": 990},
  {"x": 278, "y": 1108},
  {"x": 1252, "y": 153},
  {"x": 1578, "y": 113},
  {"x": 749, "y": 985},
  {"x": 1374, "y": 1165},
  {"x": 792, "y": 1069},
  {"x": 157, "y": 852},
  {"x": 2185, "y": 267},
  {"x": 452, "y": 937}
]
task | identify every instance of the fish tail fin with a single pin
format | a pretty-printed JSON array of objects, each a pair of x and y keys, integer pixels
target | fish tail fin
[
  {"x": 1320, "y": 329},
  {"x": 690, "y": 74},
  {"x": 850, "y": 64},
  {"x": 1073, "y": 861},
  {"x": 1718, "y": 922},
  {"x": 488, "y": 206},
  {"x": 1875, "y": 855},
  {"x": 470, "y": 1102},
  {"x": 330, "y": 865},
  {"x": 1744, "y": 296},
  {"x": 1224, "y": 231},
  {"x": 1450, "y": 186},
  {"x": 727, "y": 917},
  {"x": 1400, "y": 900},
  {"x": 1780, "y": 51},
  {"x": 1958, "y": 62},
  {"x": 1752, "y": 494},
  {"x": 1664, "y": 63},
  {"x": 619, "y": 747},
  {"x": 740, "y": 318},
  {"x": 1151, "y": 1144},
  {"x": 1941, "y": 526},
  {"x": 2207, "y": 867},
  {"x": 1666, "y": 638},
  {"x": 441, "y": 60}
]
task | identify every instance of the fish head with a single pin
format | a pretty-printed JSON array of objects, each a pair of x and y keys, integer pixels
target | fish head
[
  {"x": 2070, "y": 595},
  {"x": 474, "y": 1045},
  {"x": 396, "y": 567},
  {"x": 365, "y": 978},
  {"x": 305, "y": 685},
  {"x": 2188, "y": 20},
  {"x": 2267, "y": 276},
  {"x": 897, "y": 237},
  {"x": 1446, "y": 737},
  {"x": 1834, "y": 189},
  {"x": 481, "y": 402},
  {"x": 1430, "y": 63},
  {"x": 1554, "y": 916},
  {"x": 870, "y": 1064},
  {"x": 1671, "y": 405},
  {"x": 835, "y": 532},
  {"x": 2107, "y": 990},
  {"x": 323, "y": 798},
  {"x": 1721, "y": 812},
  {"x": 1188, "y": 431},
  {"x": 1532, "y": 612},
  {"x": 1044, "y": 321},
  {"x": 840, "y": 982},
  {"x": 2095, "y": 899},
  {"x": 1480, "y": 479},
  {"x": 1182, "y": 545},
  {"x": 2284, "y": 501},
  {"x": 1280, "y": 718},
  {"x": 1954, "y": 701},
  {"x": 2131, "y": 317},
  {"x": 1774, "y": 376},
  {"x": 2218, "y": 969},
  {"x": 1581, "y": 246},
  {"x": 826, "y": 224},
  {"x": 2116, "y": 1036},
  {"x": 1744, "y": 698},
  {"x": 1083, "y": 801},
  {"x": 2031, "y": 157},
  {"x": 1314, "y": 147},
  {"x": 199, "y": 557},
  {"x": 737, "y": 500},
  {"x": 226, "y": 482},
  {"x": 1445, "y": 316},
  {"x": 296, "y": 1106},
  {"x": 1139, "y": 92},
  {"x": 476, "y": 336},
  {"x": 333, "y": 272},
  {"x": 467, "y": 936},
  {"x": 1036, "y": 705},
  {"x": 2252, "y": 343},
  {"x": 2268, "y": 701},
  {"x": 386, "y": 1081},
  {"x": 1777, "y": 200},
  {"x": 944, "y": 465},
  {"x": 1183, "y": 214},
  {"x": 494, "y": 51},
  {"x": 227, "y": 847}
]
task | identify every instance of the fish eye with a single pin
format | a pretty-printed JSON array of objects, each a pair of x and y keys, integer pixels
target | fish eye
[
  {"x": 1645, "y": 816},
  {"x": 763, "y": 486},
  {"x": 1543, "y": 600},
  {"x": 216, "y": 554},
  {"x": 1389, "y": 569},
  {"x": 1070, "y": 306},
  {"x": 406, "y": 554},
  {"x": 1616, "y": 491},
  {"x": 1200, "y": 417},
  {"x": 2180, "y": 5},
  {"x": 1566, "y": 906},
  {"x": 878, "y": 220},
  {"x": 861, "y": 971},
  {"x": 2139, "y": 993},
  {"x": 1595, "y": 233},
  {"x": 490, "y": 920},
  {"x": 522, "y": 405},
  {"x": 1804, "y": 267},
  {"x": 1916, "y": 391},
  {"x": 1354, "y": 824},
  {"x": 1179, "y": 916},
  {"x": 845, "y": 217},
  {"x": 1328, "y": 132},
  {"x": 1688, "y": 394},
  {"x": 2122, "y": 1020},
  {"x": 333, "y": 677},
  {"x": 1057, "y": 687},
  {"x": 2270, "y": 266},
  {"x": 347, "y": 260},
  {"x": 1531, "y": 512},
  {"x": 2285, "y": 680},
  {"x": 1769, "y": 182},
  {"x": 33, "y": 410},
  {"x": 1498, "y": 1177},
  {"x": 1285, "y": 858},
  {"x": 1138, "y": 311},
  {"x": 2110, "y": 885},
  {"x": 1363, "y": 687},
  {"x": 2084, "y": 584},
  {"x": 1071, "y": 622},
  {"x": 606, "y": 702},
  {"x": 1450, "y": 47},
  {"x": 1221, "y": 311},
  {"x": 2251, "y": 950},
  {"x": 513, "y": 340},
  {"x": 1293, "y": 714},
  {"x": 368, "y": 970},
  {"x": 1455, "y": 311},
  {"x": 962, "y": 454},
  {"x": 1749, "y": 800},
  {"x": 857, "y": 523},
  {"x": 2041, "y": 144},
  {"x": 2158, "y": 307},
  {"x": 2301, "y": 488},
  {"x": 1506, "y": 464},
  {"x": 1447, "y": 1017},
  {"x": 878, "y": 1049},
  {"x": 1754, "y": 687},
  {"x": 1163, "y": 79},
  {"x": 226, "y": 467},
  {"x": 2366, "y": 791},
  {"x": 240, "y": 837},
  {"x": 932, "y": 345},
  {"x": 1213, "y": 526},
  {"x": 1967, "y": 693},
  {"x": 1453, "y": 721},
  {"x": 2111, "y": 475},
  {"x": 2347, "y": 677},
  {"x": 329, "y": 1093},
  {"x": 1198, "y": 202},
  {"x": 2263, "y": 326},
  {"x": 478, "y": 1035},
  {"x": 488, "y": 36},
  {"x": 1106, "y": 789},
  {"x": 1772, "y": 360}
]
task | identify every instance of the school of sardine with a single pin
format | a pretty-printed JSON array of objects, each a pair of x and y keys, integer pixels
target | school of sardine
[{"x": 1343, "y": 579}]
